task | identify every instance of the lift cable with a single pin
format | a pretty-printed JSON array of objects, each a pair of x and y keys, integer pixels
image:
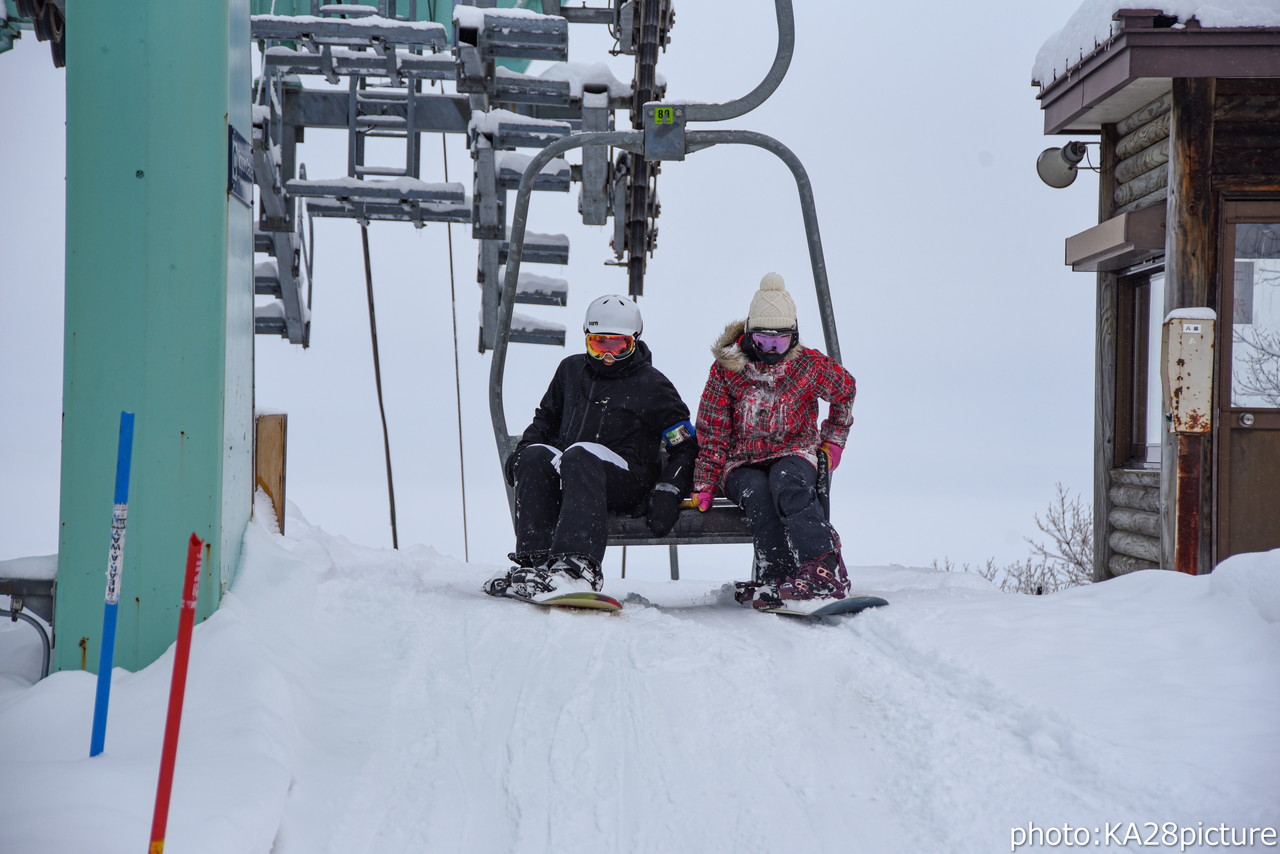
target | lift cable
[
  {"x": 457, "y": 374},
  {"x": 377, "y": 379}
]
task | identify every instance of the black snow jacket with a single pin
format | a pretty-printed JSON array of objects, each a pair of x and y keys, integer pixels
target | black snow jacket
[{"x": 625, "y": 407}]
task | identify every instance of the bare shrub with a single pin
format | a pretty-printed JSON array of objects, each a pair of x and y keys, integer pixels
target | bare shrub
[{"x": 1064, "y": 559}]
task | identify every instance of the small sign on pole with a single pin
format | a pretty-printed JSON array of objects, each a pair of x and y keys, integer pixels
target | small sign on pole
[
  {"x": 177, "y": 688},
  {"x": 115, "y": 568}
]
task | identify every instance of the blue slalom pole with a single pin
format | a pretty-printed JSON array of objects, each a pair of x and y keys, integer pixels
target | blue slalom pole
[{"x": 115, "y": 565}]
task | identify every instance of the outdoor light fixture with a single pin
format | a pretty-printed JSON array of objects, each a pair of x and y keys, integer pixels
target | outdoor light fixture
[{"x": 1057, "y": 166}]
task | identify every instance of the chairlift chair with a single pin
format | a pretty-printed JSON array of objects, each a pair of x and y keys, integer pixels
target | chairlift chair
[{"x": 665, "y": 137}]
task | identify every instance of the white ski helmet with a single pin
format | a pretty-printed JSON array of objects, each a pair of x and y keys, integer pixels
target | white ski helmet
[{"x": 613, "y": 314}]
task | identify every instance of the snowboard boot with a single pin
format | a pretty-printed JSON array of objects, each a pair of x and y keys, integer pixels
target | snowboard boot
[
  {"x": 762, "y": 593},
  {"x": 745, "y": 591},
  {"x": 822, "y": 577},
  {"x": 500, "y": 584},
  {"x": 567, "y": 574},
  {"x": 760, "y": 596}
]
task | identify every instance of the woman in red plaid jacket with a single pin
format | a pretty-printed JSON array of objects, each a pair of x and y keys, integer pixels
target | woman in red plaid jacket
[{"x": 759, "y": 441}]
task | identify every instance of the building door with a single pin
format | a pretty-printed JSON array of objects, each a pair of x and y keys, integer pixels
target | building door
[{"x": 1248, "y": 422}]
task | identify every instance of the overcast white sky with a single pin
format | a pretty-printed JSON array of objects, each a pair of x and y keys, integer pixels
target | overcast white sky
[{"x": 971, "y": 342}]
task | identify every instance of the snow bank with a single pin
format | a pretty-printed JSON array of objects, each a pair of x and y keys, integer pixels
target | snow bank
[
  {"x": 349, "y": 699},
  {"x": 1251, "y": 579},
  {"x": 234, "y": 760}
]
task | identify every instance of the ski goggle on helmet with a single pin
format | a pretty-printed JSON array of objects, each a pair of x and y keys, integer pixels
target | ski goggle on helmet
[
  {"x": 610, "y": 347},
  {"x": 612, "y": 324}
]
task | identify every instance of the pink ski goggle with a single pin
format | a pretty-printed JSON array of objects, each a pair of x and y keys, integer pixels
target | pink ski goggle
[{"x": 767, "y": 343}]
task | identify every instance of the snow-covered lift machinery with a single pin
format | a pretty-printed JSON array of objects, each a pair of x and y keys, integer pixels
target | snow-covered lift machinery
[
  {"x": 666, "y": 136},
  {"x": 385, "y": 51}
]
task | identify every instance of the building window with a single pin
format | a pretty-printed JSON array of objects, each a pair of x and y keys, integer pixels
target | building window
[
  {"x": 1140, "y": 422},
  {"x": 1155, "y": 425},
  {"x": 1255, "y": 316}
]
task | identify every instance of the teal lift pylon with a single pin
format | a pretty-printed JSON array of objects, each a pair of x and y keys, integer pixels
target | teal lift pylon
[{"x": 159, "y": 314}]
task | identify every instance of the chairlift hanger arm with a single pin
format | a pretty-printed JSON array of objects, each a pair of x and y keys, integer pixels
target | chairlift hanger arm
[
  {"x": 632, "y": 141},
  {"x": 700, "y": 139},
  {"x": 767, "y": 86}
]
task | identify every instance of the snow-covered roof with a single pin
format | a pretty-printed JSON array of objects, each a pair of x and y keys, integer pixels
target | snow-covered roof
[{"x": 1092, "y": 26}]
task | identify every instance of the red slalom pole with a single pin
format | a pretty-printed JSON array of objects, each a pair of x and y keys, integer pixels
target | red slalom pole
[{"x": 177, "y": 688}]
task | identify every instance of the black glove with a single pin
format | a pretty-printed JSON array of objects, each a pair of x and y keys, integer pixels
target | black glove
[
  {"x": 664, "y": 509},
  {"x": 509, "y": 467}
]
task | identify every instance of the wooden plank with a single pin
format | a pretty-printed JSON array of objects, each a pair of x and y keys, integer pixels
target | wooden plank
[
  {"x": 1149, "y": 478},
  {"x": 1250, "y": 162},
  {"x": 1247, "y": 86},
  {"x": 1227, "y": 135},
  {"x": 1190, "y": 268},
  {"x": 1190, "y": 553},
  {"x": 1147, "y": 135},
  {"x": 1135, "y": 545},
  {"x": 1247, "y": 183},
  {"x": 270, "y": 434},
  {"x": 1144, "y": 185},
  {"x": 1104, "y": 401},
  {"x": 1142, "y": 522},
  {"x": 1145, "y": 160},
  {"x": 1247, "y": 108},
  {"x": 1123, "y": 564},
  {"x": 1135, "y": 497},
  {"x": 1126, "y": 374},
  {"x": 1155, "y": 198},
  {"x": 1159, "y": 107}
]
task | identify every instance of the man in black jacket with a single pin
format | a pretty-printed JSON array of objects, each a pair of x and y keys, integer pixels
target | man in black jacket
[{"x": 595, "y": 445}]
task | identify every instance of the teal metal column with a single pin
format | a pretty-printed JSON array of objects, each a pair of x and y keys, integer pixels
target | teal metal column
[{"x": 159, "y": 314}]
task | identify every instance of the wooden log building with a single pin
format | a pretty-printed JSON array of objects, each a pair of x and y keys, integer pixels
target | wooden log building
[{"x": 1186, "y": 123}]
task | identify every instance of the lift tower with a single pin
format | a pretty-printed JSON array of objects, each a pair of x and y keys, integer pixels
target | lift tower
[{"x": 159, "y": 313}]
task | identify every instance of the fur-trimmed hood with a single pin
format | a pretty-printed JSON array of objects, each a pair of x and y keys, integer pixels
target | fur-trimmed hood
[{"x": 729, "y": 354}]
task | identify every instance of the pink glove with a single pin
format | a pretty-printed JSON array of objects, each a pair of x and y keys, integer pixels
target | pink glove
[
  {"x": 701, "y": 500},
  {"x": 833, "y": 452}
]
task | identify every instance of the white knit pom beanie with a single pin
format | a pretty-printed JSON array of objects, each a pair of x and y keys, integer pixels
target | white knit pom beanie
[{"x": 772, "y": 307}]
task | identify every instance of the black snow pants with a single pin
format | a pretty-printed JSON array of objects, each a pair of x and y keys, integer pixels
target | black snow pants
[
  {"x": 786, "y": 520},
  {"x": 562, "y": 502}
]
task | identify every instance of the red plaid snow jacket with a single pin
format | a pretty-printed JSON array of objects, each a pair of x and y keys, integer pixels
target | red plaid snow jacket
[{"x": 752, "y": 412}]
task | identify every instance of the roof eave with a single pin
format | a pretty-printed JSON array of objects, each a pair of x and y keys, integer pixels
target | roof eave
[{"x": 1137, "y": 65}]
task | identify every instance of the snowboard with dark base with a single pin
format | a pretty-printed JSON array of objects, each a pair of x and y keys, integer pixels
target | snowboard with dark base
[{"x": 828, "y": 608}]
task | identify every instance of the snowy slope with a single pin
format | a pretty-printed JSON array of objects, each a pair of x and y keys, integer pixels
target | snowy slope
[{"x": 347, "y": 699}]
